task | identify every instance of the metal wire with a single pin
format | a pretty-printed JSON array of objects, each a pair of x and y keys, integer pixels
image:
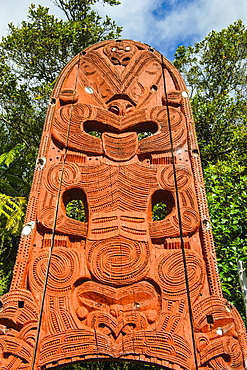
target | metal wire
[
  {"x": 179, "y": 218},
  {"x": 53, "y": 236}
]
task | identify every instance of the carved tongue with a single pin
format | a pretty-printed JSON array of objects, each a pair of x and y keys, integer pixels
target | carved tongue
[{"x": 120, "y": 147}]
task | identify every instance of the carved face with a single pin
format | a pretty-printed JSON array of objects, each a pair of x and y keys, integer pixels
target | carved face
[
  {"x": 117, "y": 311},
  {"x": 119, "y": 163},
  {"x": 120, "y": 53},
  {"x": 119, "y": 140}
]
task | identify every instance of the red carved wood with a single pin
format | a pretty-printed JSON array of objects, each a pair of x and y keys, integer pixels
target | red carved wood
[{"x": 119, "y": 285}]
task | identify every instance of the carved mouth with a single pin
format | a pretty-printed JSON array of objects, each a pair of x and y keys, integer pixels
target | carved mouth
[
  {"x": 120, "y": 147},
  {"x": 112, "y": 311}
]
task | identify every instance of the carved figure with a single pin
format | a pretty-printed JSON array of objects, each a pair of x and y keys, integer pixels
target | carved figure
[{"x": 119, "y": 284}]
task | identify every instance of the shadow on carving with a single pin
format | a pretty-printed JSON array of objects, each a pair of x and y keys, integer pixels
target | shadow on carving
[{"x": 110, "y": 365}]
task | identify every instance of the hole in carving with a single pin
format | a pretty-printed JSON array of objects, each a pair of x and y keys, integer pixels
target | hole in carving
[
  {"x": 114, "y": 109},
  {"x": 154, "y": 88},
  {"x": 228, "y": 308},
  {"x": 76, "y": 204},
  {"x": 143, "y": 135},
  {"x": 40, "y": 163},
  {"x": 226, "y": 357},
  {"x": 95, "y": 133},
  {"x": 162, "y": 204},
  {"x": 1, "y": 304},
  {"x": 75, "y": 209},
  {"x": 127, "y": 59},
  {"x": 95, "y": 128},
  {"x": 206, "y": 224},
  {"x": 53, "y": 101},
  {"x": 20, "y": 304},
  {"x": 115, "y": 60},
  {"x": 129, "y": 107},
  {"x": 159, "y": 211},
  {"x": 83, "y": 53},
  {"x": 151, "y": 49},
  {"x": 120, "y": 107},
  {"x": 144, "y": 129},
  {"x": 107, "y": 364},
  {"x": 122, "y": 97},
  {"x": 195, "y": 152},
  {"x": 210, "y": 319}
]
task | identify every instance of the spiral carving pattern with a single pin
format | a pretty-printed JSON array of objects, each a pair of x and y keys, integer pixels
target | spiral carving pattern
[
  {"x": 190, "y": 220},
  {"x": 70, "y": 173},
  {"x": 75, "y": 113},
  {"x": 62, "y": 271},
  {"x": 171, "y": 276},
  {"x": 232, "y": 348},
  {"x": 160, "y": 114},
  {"x": 166, "y": 177},
  {"x": 118, "y": 261}
]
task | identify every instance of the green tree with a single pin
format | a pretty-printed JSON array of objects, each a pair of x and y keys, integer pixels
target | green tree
[{"x": 215, "y": 71}]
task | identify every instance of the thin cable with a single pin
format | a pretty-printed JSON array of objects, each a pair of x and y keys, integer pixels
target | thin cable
[
  {"x": 53, "y": 236},
  {"x": 179, "y": 219}
]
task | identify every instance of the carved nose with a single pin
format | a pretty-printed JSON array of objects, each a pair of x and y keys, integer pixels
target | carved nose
[{"x": 116, "y": 310}]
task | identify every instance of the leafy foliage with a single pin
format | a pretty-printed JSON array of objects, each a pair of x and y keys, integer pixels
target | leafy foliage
[
  {"x": 12, "y": 211},
  {"x": 75, "y": 209},
  {"x": 159, "y": 211},
  {"x": 227, "y": 196},
  {"x": 113, "y": 365},
  {"x": 215, "y": 71}
]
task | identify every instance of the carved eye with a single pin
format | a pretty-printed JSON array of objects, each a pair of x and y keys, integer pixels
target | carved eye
[
  {"x": 125, "y": 61},
  {"x": 114, "y": 109},
  {"x": 113, "y": 49}
]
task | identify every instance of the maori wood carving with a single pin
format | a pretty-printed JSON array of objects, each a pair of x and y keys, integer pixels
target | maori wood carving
[{"x": 119, "y": 284}]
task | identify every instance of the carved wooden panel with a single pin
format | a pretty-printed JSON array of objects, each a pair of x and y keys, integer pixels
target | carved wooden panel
[{"x": 119, "y": 284}]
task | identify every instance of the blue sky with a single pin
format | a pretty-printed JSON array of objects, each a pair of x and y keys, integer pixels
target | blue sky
[{"x": 163, "y": 24}]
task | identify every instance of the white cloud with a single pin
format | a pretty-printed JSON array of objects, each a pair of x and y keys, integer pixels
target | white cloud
[
  {"x": 183, "y": 22},
  {"x": 134, "y": 15},
  {"x": 15, "y": 11},
  {"x": 161, "y": 23}
]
